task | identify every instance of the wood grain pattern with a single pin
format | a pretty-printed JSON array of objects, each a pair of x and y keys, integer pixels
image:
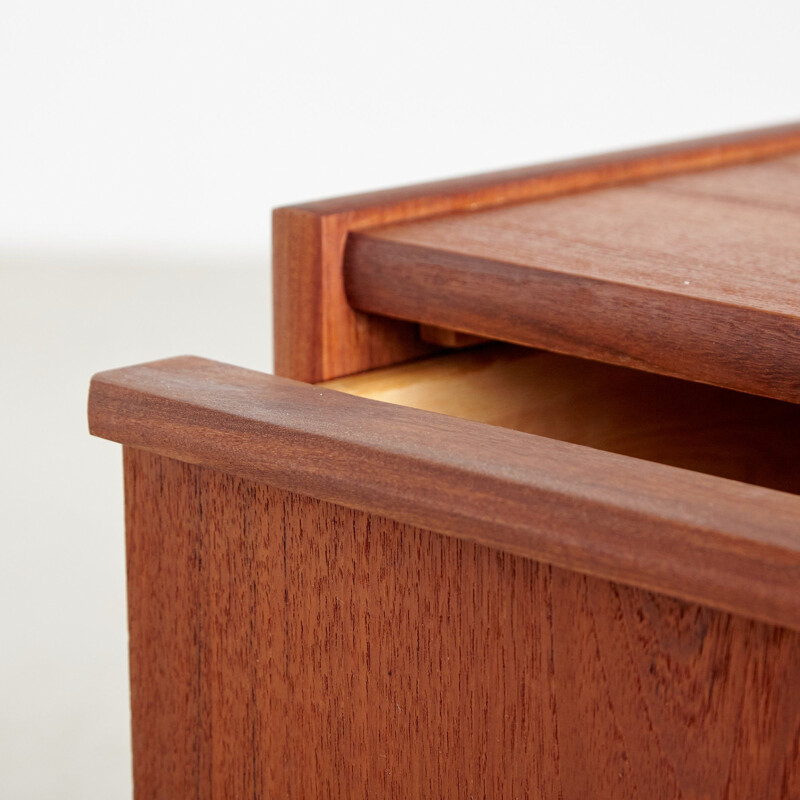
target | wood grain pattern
[
  {"x": 319, "y": 336},
  {"x": 686, "y": 534},
  {"x": 619, "y": 410},
  {"x": 696, "y": 276},
  {"x": 166, "y": 627},
  {"x": 287, "y": 647}
]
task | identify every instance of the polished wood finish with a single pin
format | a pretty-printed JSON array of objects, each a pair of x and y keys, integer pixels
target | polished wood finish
[
  {"x": 638, "y": 414},
  {"x": 320, "y": 336},
  {"x": 334, "y": 596},
  {"x": 282, "y": 646},
  {"x": 694, "y": 276},
  {"x": 722, "y": 543}
]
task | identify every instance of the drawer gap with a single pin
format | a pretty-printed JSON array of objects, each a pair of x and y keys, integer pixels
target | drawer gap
[{"x": 617, "y": 409}]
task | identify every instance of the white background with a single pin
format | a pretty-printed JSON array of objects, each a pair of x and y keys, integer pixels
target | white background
[{"x": 142, "y": 145}]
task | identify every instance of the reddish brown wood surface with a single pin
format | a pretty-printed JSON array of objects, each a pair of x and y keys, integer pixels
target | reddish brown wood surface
[
  {"x": 696, "y": 276},
  {"x": 319, "y": 336},
  {"x": 287, "y": 647},
  {"x": 724, "y": 543}
]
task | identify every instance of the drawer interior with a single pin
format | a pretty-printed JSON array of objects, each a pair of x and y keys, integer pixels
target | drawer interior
[{"x": 616, "y": 409}]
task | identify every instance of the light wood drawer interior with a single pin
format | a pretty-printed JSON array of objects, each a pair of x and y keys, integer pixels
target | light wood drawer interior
[{"x": 680, "y": 423}]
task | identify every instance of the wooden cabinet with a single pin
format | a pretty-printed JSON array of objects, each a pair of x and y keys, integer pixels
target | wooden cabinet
[{"x": 409, "y": 568}]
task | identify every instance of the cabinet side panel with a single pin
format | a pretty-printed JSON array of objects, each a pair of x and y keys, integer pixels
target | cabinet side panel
[
  {"x": 317, "y": 334},
  {"x": 286, "y": 647}
]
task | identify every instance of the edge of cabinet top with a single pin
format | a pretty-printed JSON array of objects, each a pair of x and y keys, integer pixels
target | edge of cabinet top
[{"x": 694, "y": 274}]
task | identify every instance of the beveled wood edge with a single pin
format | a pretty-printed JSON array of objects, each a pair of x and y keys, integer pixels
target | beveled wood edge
[
  {"x": 502, "y": 187},
  {"x": 525, "y": 306},
  {"x": 319, "y": 336},
  {"x": 721, "y": 543}
]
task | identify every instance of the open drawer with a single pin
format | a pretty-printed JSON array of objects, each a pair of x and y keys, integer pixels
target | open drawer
[
  {"x": 399, "y": 570},
  {"x": 334, "y": 595}
]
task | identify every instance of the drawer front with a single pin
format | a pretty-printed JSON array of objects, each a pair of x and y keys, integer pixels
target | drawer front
[
  {"x": 684, "y": 533},
  {"x": 285, "y": 646},
  {"x": 335, "y": 596}
]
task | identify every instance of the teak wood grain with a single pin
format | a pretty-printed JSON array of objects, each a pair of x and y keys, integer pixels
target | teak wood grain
[
  {"x": 282, "y": 646},
  {"x": 695, "y": 276},
  {"x": 320, "y": 336},
  {"x": 722, "y": 543}
]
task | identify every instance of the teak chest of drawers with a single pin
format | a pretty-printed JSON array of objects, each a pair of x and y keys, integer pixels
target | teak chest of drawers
[{"x": 563, "y": 563}]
